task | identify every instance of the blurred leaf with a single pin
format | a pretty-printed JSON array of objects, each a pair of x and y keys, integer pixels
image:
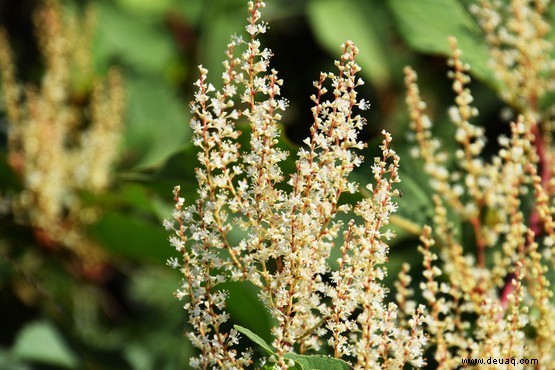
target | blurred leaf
[
  {"x": 41, "y": 342},
  {"x": 221, "y": 20},
  {"x": 180, "y": 165},
  {"x": 155, "y": 287},
  {"x": 138, "y": 42},
  {"x": 154, "y": 7},
  {"x": 139, "y": 357},
  {"x": 336, "y": 21},
  {"x": 162, "y": 209},
  {"x": 135, "y": 196},
  {"x": 160, "y": 334},
  {"x": 126, "y": 195},
  {"x": 426, "y": 24},
  {"x": 177, "y": 170},
  {"x": 132, "y": 236},
  {"x": 415, "y": 202},
  {"x": 190, "y": 9},
  {"x": 157, "y": 122},
  {"x": 8, "y": 363}
]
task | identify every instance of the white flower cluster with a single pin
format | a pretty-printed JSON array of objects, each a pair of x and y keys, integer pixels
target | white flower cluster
[
  {"x": 517, "y": 32},
  {"x": 58, "y": 146},
  {"x": 288, "y": 235},
  {"x": 496, "y": 288}
]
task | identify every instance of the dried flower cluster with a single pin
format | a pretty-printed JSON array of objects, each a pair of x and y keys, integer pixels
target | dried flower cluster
[
  {"x": 493, "y": 300},
  {"x": 57, "y": 147},
  {"x": 289, "y": 221}
]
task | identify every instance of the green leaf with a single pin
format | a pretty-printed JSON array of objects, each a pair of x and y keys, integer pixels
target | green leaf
[
  {"x": 156, "y": 123},
  {"x": 220, "y": 20},
  {"x": 191, "y": 10},
  {"x": 318, "y": 362},
  {"x": 426, "y": 24},
  {"x": 148, "y": 7},
  {"x": 335, "y": 21},
  {"x": 41, "y": 342},
  {"x": 139, "y": 42},
  {"x": 9, "y": 363},
  {"x": 255, "y": 338},
  {"x": 139, "y": 357},
  {"x": 246, "y": 309},
  {"x": 127, "y": 195},
  {"x": 179, "y": 166},
  {"x": 415, "y": 205},
  {"x": 131, "y": 235},
  {"x": 305, "y": 362}
]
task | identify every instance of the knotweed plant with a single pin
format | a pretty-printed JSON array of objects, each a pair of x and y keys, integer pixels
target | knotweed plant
[
  {"x": 289, "y": 223},
  {"x": 493, "y": 300}
]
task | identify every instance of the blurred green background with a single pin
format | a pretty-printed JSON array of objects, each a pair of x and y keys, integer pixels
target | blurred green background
[{"x": 124, "y": 316}]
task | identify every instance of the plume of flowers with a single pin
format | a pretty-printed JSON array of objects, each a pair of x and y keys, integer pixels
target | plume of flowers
[
  {"x": 491, "y": 299},
  {"x": 289, "y": 222},
  {"x": 56, "y": 146}
]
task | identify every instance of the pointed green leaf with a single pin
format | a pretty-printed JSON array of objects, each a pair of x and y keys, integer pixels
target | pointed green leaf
[
  {"x": 318, "y": 362},
  {"x": 41, "y": 342},
  {"x": 255, "y": 338},
  {"x": 305, "y": 362},
  {"x": 426, "y": 24},
  {"x": 336, "y": 21},
  {"x": 138, "y": 42}
]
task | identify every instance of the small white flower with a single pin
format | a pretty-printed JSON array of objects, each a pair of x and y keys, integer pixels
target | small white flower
[{"x": 173, "y": 262}]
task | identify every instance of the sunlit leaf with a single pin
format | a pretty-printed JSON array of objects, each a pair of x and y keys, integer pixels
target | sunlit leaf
[
  {"x": 318, "y": 362},
  {"x": 336, "y": 21},
  {"x": 41, "y": 342},
  {"x": 255, "y": 338},
  {"x": 426, "y": 25},
  {"x": 140, "y": 43}
]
